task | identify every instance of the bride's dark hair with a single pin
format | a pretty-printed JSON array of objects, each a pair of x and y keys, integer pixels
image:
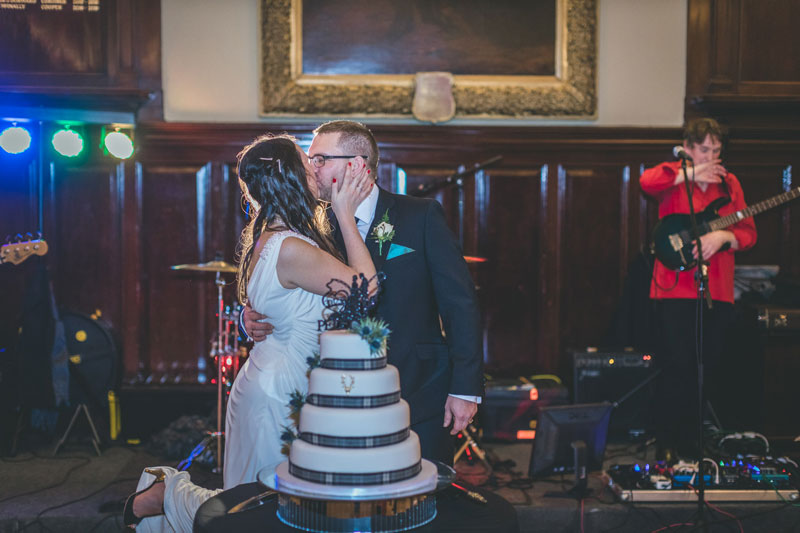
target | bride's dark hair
[{"x": 273, "y": 180}]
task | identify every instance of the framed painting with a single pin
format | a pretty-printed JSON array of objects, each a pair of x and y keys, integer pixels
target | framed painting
[{"x": 368, "y": 58}]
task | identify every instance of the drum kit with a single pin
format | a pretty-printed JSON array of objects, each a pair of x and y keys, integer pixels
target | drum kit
[{"x": 225, "y": 350}]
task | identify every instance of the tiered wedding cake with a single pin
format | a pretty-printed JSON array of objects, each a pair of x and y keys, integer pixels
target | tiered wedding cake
[
  {"x": 355, "y": 464},
  {"x": 354, "y": 427}
]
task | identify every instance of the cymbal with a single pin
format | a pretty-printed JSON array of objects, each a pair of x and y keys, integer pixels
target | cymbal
[
  {"x": 474, "y": 259},
  {"x": 211, "y": 266}
]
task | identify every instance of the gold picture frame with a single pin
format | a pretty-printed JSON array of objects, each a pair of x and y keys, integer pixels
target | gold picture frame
[{"x": 571, "y": 93}]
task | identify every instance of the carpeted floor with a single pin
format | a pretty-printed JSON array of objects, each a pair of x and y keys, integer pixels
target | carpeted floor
[{"x": 76, "y": 490}]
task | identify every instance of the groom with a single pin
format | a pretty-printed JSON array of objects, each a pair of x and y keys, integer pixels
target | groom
[{"x": 426, "y": 278}]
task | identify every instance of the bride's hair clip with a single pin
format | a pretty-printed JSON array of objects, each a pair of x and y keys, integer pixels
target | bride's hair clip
[{"x": 273, "y": 159}]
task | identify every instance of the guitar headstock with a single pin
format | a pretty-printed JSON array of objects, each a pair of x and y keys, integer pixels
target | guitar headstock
[{"x": 17, "y": 252}]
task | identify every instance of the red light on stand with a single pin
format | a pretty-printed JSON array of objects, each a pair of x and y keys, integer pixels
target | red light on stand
[
  {"x": 526, "y": 434},
  {"x": 230, "y": 361},
  {"x": 534, "y": 395}
]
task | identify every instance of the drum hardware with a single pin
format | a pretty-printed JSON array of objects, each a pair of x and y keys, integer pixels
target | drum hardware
[
  {"x": 470, "y": 446},
  {"x": 226, "y": 356},
  {"x": 212, "y": 266}
]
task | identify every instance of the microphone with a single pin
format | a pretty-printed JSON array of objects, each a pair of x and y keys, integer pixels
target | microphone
[{"x": 680, "y": 152}]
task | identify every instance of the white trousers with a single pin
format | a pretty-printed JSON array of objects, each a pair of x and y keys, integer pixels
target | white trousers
[{"x": 182, "y": 498}]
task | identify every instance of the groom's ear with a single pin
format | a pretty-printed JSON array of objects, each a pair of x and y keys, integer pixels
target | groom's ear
[{"x": 359, "y": 161}]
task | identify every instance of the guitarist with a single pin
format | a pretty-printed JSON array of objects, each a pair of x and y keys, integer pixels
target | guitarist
[{"x": 675, "y": 293}]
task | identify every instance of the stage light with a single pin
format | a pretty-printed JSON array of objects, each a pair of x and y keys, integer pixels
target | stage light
[
  {"x": 15, "y": 139},
  {"x": 118, "y": 144},
  {"x": 67, "y": 142}
]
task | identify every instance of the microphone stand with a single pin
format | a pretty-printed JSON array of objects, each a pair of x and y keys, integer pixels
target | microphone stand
[
  {"x": 701, "y": 278},
  {"x": 457, "y": 180},
  {"x": 454, "y": 179}
]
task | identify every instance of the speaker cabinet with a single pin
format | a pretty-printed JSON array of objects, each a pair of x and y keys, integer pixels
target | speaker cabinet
[{"x": 624, "y": 377}]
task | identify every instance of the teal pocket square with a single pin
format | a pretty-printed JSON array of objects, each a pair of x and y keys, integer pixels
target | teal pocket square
[{"x": 396, "y": 250}]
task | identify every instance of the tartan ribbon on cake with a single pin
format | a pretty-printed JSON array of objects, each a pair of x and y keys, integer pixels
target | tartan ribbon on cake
[
  {"x": 334, "y": 441},
  {"x": 353, "y": 364},
  {"x": 346, "y": 304},
  {"x": 353, "y": 402},
  {"x": 342, "y": 478}
]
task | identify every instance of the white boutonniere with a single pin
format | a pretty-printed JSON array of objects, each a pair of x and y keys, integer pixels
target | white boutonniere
[{"x": 383, "y": 232}]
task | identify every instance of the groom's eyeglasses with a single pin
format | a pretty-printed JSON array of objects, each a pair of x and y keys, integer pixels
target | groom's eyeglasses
[{"x": 319, "y": 160}]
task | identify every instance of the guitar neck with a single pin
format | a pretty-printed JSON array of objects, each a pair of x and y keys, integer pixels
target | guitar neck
[{"x": 775, "y": 201}]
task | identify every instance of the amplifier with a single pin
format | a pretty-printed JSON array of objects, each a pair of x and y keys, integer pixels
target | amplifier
[
  {"x": 510, "y": 407},
  {"x": 610, "y": 376},
  {"x": 778, "y": 320}
]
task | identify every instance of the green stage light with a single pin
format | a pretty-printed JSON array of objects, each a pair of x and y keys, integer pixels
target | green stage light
[
  {"x": 67, "y": 142},
  {"x": 15, "y": 139},
  {"x": 118, "y": 144}
]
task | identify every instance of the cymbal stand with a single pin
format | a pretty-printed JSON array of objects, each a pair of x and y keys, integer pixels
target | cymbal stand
[{"x": 220, "y": 283}]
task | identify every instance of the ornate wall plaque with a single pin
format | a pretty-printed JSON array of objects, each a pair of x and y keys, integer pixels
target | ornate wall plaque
[{"x": 288, "y": 91}]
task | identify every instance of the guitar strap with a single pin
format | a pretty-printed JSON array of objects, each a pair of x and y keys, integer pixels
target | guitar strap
[
  {"x": 725, "y": 247},
  {"x": 724, "y": 184}
]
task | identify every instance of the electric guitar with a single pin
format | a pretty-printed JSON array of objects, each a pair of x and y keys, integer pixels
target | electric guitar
[
  {"x": 17, "y": 252},
  {"x": 672, "y": 237}
]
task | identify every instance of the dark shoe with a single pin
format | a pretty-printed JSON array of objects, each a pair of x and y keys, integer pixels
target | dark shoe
[{"x": 128, "y": 517}]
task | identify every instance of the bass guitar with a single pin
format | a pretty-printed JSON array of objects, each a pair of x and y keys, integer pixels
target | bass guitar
[
  {"x": 17, "y": 252},
  {"x": 672, "y": 237}
]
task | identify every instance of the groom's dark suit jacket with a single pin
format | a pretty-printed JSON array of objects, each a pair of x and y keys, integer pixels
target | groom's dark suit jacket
[{"x": 420, "y": 286}]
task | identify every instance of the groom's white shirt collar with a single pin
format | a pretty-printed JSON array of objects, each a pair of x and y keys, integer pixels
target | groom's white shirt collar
[{"x": 365, "y": 212}]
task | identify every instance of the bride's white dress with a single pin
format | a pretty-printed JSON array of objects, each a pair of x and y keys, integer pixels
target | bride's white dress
[{"x": 258, "y": 404}]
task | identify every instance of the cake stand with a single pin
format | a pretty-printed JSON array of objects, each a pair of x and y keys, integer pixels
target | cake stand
[{"x": 385, "y": 508}]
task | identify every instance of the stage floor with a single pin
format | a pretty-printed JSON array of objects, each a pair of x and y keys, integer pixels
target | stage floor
[{"x": 78, "y": 491}]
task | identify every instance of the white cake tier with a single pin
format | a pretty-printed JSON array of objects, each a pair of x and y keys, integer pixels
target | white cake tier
[
  {"x": 378, "y": 382},
  {"x": 341, "y": 344},
  {"x": 356, "y": 460},
  {"x": 354, "y": 422}
]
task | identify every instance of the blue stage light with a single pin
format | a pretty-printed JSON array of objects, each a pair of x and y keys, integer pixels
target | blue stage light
[
  {"x": 67, "y": 142},
  {"x": 15, "y": 140}
]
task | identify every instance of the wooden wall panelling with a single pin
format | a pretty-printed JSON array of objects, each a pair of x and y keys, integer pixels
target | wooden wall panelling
[
  {"x": 509, "y": 280},
  {"x": 85, "y": 230},
  {"x": 736, "y": 74},
  {"x": 174, "y": 229},
  {"x": 769, "y": 65},
  {"x": 107, "y": 60},
  {"x": 552, "y": 182},
  {"x": 179, "y": 203},
  {"x": 133, "y": 310},
  {"x": 592, "y": 265},
  {"x": 724, "y": 34}
]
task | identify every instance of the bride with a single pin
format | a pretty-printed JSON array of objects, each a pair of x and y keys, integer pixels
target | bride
[{"x": 288, "y": 258}]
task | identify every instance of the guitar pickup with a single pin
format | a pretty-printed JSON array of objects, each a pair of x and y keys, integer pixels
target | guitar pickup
[{"x": 676, "y": 242}]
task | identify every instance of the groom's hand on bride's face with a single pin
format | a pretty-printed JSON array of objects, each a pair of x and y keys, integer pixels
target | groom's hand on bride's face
[{"x": 254, "y": 326}]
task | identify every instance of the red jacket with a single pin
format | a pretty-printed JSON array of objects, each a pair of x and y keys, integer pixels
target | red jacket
[{"x": 658, "y": 182}]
